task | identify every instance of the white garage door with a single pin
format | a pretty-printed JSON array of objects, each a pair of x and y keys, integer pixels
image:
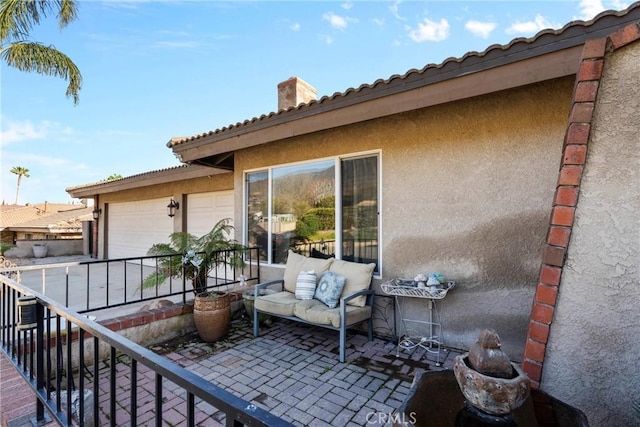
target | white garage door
[
  {"x": 204, "y": 210},
  {"x": 135, "y": 226}
]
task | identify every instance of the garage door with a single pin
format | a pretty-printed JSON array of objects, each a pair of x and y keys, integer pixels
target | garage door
[
  {"x": 135, "y": 226},
  {"x": 204, "y": 210}
]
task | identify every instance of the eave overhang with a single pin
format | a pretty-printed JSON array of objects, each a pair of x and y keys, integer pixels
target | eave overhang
[
  {"x": 548, "y": 55},
  {"x": 182, "y": 172}
]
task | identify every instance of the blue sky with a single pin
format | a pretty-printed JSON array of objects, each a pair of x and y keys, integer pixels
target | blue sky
[{"x": 153, "y": 70}]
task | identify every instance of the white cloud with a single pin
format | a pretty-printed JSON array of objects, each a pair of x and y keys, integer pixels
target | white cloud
[
  {"x": 530, "y": 27},
  {"x": 430, "y": 31},
  {"x": 20, "y": 131},
  {"x": 481, "y": 29},
  {"x": 295, "y": 26},
  {"x": 346, "y": 5},
  {"x": 394, "y": 10},
  {"x": 589, "y": 9},
  {"x": 620, "y": 5},
  {"x": 336, "y": 21},
  {"x": 24, "y": 130},
  {"x": 378, "y": 21}
]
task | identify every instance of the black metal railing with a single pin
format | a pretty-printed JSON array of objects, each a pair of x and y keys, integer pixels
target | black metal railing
[
  {"x": 81, "y": 371},
  {"x": 102, "y": 284},
  {"x": 363, "y": 251}
]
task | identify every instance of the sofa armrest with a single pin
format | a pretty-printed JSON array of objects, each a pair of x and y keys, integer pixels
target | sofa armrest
[
  {"x": 368, "y": 292},
  {"x": 265, "y": 285}
]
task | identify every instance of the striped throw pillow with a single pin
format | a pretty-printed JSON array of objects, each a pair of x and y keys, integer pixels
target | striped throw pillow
[{"x": 306, "y": 285}]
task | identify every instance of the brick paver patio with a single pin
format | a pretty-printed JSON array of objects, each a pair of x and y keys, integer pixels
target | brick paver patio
[{"x": 291, "y": 370}]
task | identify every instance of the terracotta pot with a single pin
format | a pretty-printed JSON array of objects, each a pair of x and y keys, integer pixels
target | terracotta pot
[{"x": 212, "y": 315}]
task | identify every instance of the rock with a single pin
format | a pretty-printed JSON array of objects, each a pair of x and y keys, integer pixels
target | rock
[{"x": 486, "y": 357}]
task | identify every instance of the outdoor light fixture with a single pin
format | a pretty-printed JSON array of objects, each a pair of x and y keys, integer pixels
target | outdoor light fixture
[
  {"x": 96, "y": 213},
  {"x": 172, "y": 207}
]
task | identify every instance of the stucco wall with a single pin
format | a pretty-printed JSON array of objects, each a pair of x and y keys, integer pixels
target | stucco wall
[
  {"x": 593, "y": 352},
  {"x": 176, "y": 189},
  {"x": 466, "y": 191}
]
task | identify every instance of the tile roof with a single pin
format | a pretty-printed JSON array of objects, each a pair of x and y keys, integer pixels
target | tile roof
[
  {"x": 69, "y": 220},
  {"x": 468, "y": 63},
  {"x": 11, "y": 215}
]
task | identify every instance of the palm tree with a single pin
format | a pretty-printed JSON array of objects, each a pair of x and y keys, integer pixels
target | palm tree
[
  {"x": 20, "y": 171},
  {"x": 17, "y": 18},
  {"x": 194, "y": 257}
]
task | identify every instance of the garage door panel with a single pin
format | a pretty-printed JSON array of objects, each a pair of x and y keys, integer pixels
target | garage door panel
[
  {"x": 135, "y": 226},
  {"x": 204, "y": 210}
]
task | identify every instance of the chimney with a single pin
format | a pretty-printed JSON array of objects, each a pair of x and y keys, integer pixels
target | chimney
[{"x": 294, "y": 92}]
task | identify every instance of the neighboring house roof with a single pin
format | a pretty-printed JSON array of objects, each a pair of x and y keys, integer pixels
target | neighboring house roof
[
  {"x": 160, "y": 176},
  {"x": 549, "y": 54},
  {"x": 11, "y": 215},
  {"x": 66, "y": 221}
]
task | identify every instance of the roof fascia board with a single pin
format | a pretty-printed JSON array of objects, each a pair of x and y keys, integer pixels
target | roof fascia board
[
  {"x": 144, "y": 180},
  {"x": 523, "y": 72}
]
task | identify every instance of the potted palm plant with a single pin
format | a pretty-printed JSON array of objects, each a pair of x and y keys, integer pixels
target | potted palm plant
[{"x": 197, "y": 257}]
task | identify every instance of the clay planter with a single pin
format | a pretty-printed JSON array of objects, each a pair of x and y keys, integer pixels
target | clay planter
[
  {"x": 496, "y": 396},
  {"x": 212, "y": 315}
]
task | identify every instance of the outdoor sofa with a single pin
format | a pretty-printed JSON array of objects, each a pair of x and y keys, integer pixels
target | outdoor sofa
[{"x": 329, "y": 293}]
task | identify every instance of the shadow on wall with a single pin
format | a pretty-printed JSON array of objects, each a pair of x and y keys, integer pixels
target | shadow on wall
[
  {"x": 504, "y": 253},
  {"x": 496, "y": 268}
]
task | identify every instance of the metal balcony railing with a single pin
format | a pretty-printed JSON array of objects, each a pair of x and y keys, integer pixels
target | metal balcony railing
[{"x": 78, "y": 370}]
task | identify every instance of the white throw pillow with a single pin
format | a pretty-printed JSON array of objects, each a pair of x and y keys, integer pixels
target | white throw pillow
[{"x": 306, "y": 284}]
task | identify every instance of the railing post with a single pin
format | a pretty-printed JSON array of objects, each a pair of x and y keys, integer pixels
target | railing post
[{"x": 40, "y": 373}]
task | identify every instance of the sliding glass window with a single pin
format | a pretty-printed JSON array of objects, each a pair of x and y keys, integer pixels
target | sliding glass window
[{"x": 322, "y": 209}]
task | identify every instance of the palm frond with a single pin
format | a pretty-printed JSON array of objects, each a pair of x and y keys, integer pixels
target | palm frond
[
  {"x": 31, "y": 56},
  {"x": 17, "y": 17}
]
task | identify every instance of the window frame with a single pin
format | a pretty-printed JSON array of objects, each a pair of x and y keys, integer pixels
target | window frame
[{"x": 338, "y": 201}]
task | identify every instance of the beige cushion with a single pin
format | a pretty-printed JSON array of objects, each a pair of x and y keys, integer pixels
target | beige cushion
[
  {"x": 317, "y": 312},
  {"x": 281, "y": 303},
  {"x": 358, "y": 278},
  {"x": 297, "y": 263}
]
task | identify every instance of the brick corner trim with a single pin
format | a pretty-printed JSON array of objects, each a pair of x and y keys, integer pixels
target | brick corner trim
[{"x": 574, "y": 154}]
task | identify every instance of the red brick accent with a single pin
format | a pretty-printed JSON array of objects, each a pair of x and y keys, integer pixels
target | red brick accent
[
  {"x": 570, "y": 175},
  {"x": 550, "y": 275},
  {"x": 578, "y": 133},
  {"x": 566, "y": 196},
  {"x": 559, "y": 236},
  {"x": 539, "y": 332},
  {"x": 542, "y": 313},
  {"x": 562, "y": 215},
  {"x": 626, "y": 35},
  {"x": 553, "y": 255},
  {"x": 594, "y": 49},
  {"x": 591, "y": 69},
  {"x": 586, "y": 91},
  {"x": 581, "y": 112},
  {"x": 533, "y": 370},
  {"x": 534, "y": 351},
  {"x": 546, "y": 294},
  {"x": 575, "y": 154}
]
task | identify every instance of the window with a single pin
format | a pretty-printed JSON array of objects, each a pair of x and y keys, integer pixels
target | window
[{"x": 323, "y": 208}]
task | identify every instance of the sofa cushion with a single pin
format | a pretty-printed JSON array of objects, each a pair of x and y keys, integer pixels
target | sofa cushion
[
  {"x": 280, "y": 303},
  {"x": 297, "y": 263},
  {"x": 306, "y": 284},
  {"x": 317, "y": 312},
  {"x": 358, "y": 278},
  {"x": 330, "y": 288}
]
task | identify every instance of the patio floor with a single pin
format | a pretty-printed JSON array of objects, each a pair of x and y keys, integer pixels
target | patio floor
[{"x": 291, "y": 370}]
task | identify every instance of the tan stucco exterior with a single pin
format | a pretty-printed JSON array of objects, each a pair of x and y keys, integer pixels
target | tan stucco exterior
[
  {"x": 466, "y": 191},
  {"x": 177, "y": 190},
  {"x": 592, "y": 354}
]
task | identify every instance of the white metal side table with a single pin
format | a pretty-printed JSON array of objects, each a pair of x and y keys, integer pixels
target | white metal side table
[{"x": 408, "y": 337}]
